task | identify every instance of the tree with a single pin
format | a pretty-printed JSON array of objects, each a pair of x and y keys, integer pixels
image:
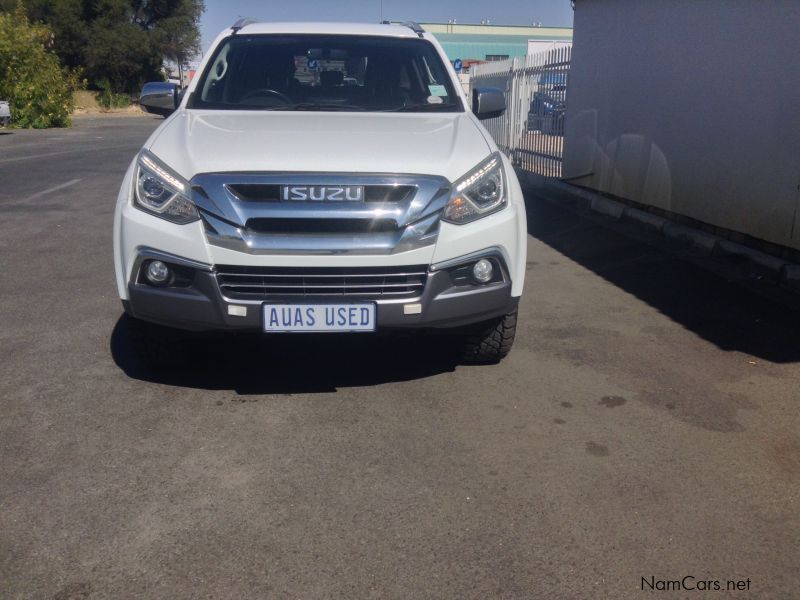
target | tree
[
  {"x": 67, "y": 20},
  {"x": 121, "y": 42},
  {"x": 119, "y": 53},
  {"x": 39, "y": 91},
  {"x": 173, "y": 24}
]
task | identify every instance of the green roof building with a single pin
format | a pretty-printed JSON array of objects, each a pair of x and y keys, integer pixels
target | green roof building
[{"x": 492, "y": 42}]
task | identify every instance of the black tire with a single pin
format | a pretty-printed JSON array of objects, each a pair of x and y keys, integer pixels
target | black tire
[
  {"x": 490, "y": 342},
  {"x": 157, "y": 347}
]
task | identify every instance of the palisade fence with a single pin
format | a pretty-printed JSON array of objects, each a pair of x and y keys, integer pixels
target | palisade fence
[{"x": 531, "y": 132}]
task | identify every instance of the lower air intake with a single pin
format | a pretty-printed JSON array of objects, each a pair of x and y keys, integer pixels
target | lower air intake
[{"x": 369, "y": 283}]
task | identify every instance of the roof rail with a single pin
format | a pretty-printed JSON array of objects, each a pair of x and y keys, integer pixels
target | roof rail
[
  {"x": 415, "y": 27},
  {"x": 243, "y": 22}
]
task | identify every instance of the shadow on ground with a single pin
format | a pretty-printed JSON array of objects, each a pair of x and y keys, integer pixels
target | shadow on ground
[
  {"x": 698, "y": 292},
  {"x": 289, "y": 364}
]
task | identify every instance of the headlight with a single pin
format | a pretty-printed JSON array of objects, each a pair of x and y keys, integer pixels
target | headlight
[
  {"x": 479, "y": 193},
  {"x": 162, "y": 192}
]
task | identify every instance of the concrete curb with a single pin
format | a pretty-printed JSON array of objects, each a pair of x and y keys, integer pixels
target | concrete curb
[
  {"x": 790, "y": 277},
  {"x": 692, "y": 237},
  {"x": 766, "y": 262},
  {"x": 783, "y": 272},
  {"x": 607, "y": 207}
]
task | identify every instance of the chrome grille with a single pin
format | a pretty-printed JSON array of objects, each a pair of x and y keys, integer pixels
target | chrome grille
[
  {"x": 243, "y": 212},
  {"x": 262, "y": 283},
  {"x": 260, "y": 192},
  {"x": 331, "y": 225}
]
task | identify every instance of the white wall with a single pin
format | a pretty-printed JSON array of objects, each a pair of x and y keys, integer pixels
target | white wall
[
  {"x": 691, "y": 106},
  {"x": 536, "y": 46}
]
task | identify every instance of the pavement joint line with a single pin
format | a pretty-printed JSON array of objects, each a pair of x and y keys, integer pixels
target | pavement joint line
[
  {"x": 55, "y": 188},
  {"x": 62, "y": 152}
]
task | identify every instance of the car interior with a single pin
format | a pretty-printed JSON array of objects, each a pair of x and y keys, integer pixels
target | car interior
[{"x": 357, "y": 73}]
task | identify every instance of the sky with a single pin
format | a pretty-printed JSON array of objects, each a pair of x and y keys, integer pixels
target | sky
[{"x": 222, "y": 13}]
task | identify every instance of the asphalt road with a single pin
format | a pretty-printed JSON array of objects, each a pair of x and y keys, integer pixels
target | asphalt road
[{"x": 645, "y": 425}]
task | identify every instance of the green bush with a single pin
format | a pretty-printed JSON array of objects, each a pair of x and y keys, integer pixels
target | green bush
[
  {"x": 108, "y": 99},
  {"x": 38, "y": 90}
]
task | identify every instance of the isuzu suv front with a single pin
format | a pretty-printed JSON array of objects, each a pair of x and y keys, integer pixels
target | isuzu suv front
[{"x": 320, "y": 178}]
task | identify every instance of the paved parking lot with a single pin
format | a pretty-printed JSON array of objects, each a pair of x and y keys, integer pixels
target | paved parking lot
[{"x": 645, "y": 426}]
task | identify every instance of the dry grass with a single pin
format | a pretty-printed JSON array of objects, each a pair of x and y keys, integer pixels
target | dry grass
[{"x": 86, "y": 104}]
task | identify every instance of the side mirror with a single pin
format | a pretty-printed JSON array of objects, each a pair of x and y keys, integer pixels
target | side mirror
[
  {"x": 488, "y": 103},
  {"x": 159, "y": 98}
]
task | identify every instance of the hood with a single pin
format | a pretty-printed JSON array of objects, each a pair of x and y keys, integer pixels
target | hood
[{"x": 447, "y": 144}]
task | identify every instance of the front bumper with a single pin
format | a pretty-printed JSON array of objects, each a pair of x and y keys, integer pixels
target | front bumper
[{"x": 199, "y": 305}]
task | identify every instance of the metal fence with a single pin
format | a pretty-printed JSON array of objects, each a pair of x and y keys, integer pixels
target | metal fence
[{"x": 531, "y": 131}]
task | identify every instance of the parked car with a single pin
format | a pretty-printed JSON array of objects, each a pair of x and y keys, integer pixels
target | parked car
[
  {"x": 5, "y": 114},
  {"x": 268, "y": 204},
  {"x": 548, "y": 106}
]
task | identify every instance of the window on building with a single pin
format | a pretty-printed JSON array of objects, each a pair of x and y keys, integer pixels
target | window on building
[{"x": 493, "y": 57}]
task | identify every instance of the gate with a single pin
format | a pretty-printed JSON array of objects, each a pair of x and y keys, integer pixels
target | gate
[{"x": 531, "y": 132}]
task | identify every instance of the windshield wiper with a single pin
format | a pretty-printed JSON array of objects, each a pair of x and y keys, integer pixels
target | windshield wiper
[
  {"x": 422, "y": 107},
  {"x": 321, "y": 106}
]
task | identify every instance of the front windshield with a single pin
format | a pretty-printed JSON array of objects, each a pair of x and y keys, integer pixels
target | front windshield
[{"x": 325, "y": 72}]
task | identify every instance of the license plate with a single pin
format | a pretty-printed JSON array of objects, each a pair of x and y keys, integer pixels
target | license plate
[{"x": 319, "y": 317}]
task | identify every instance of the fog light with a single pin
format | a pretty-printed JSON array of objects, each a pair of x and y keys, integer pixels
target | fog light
[
  {"x": 157, "y": 272},
  {"x": 482, "y": 271}
]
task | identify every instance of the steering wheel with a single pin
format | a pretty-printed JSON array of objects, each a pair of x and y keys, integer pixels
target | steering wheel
[{"x": 266, "y": 92}]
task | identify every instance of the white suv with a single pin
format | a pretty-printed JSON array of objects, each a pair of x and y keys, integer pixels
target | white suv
[{"x": 321, "y": 177}]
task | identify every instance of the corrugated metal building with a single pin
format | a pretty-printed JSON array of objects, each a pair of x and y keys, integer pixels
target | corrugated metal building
[{"x": 700, "y": 120}]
